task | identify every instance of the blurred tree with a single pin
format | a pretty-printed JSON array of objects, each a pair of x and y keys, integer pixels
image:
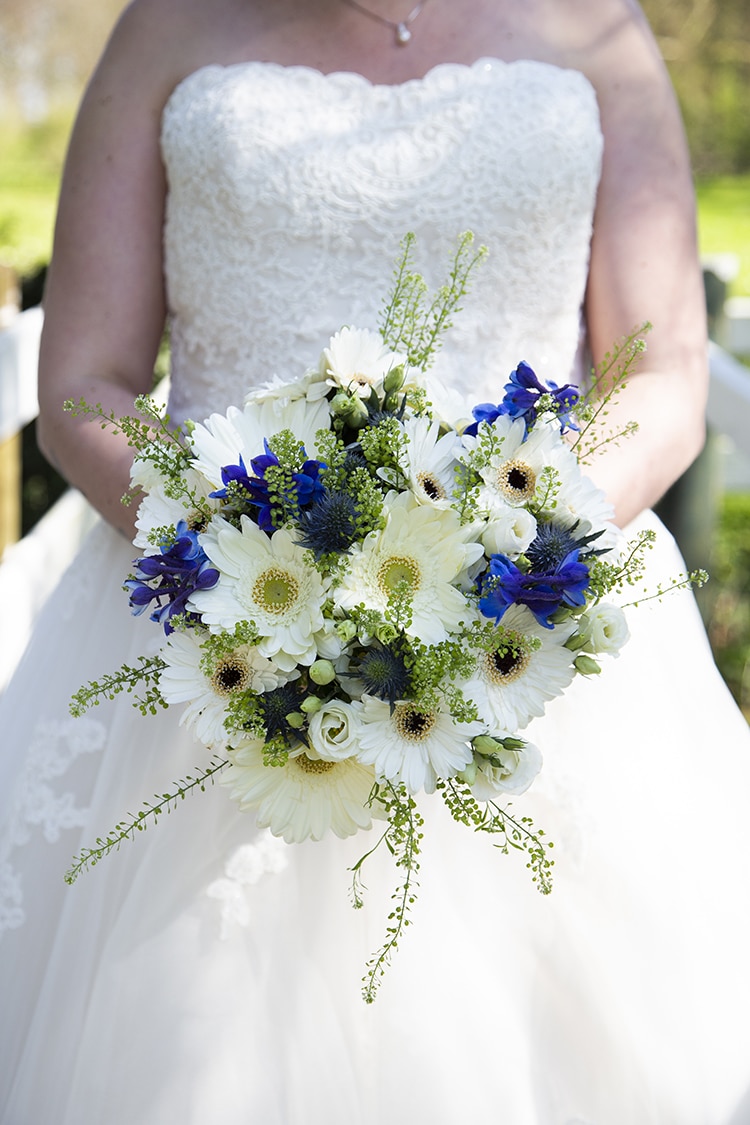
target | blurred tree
[
  {"x": 706, "y": 44},
  {"x": 48, "y": 49}
]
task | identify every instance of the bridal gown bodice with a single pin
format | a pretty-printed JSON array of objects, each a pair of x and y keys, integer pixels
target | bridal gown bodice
[{"x": 290, "y": 190}]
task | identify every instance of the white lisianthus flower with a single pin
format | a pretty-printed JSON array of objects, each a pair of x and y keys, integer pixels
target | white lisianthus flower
[
  {"x": 303, "y": 799},
  {"x": 513, "y": 684},
  {"x": 514, "y": 773},
  {"x": 357, "y": 360},
  {"x": 223, "y": 438},
  {"x": 267, "y": 580},
  {"x": 430, "y": 462},
  {"x": 605, "y": 628},
  {"x": 413, "y": 747},
  {"x": 421, "y": 550},
  {"x": 183, "y": 680},
  {"x": 509, "y": 531},
  {"x": 334, "y": 731}
]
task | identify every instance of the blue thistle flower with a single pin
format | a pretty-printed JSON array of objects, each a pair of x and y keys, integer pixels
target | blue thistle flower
[
  {"x": 276, "y": 705},
  {"x": 170, "y": 577},
  {"x": 330, "y": 524},
  {"x": 382, "y": 669}
]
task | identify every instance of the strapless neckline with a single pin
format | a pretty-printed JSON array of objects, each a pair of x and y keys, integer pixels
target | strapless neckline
[{"x": 349, "y": 78}]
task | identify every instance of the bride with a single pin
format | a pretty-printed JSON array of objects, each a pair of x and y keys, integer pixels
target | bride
[{"x": 247, "y": 169}]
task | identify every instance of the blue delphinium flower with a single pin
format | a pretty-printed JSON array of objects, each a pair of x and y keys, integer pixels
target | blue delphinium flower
[
  {"x": 305, "y": 489},
  {"x": 521, "y": 400},
  {"x": 523, "y": 392},
  {"x": 170, "y": 577},
  {"x": 556, "y": 576}
]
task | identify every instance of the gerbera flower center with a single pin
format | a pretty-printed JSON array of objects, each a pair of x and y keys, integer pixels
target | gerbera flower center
[
  {"x": 275, "y": 590},
  {"x": 412, "y": 724},
  {"x": 313, "y": 765},
  {"x": 232, "y": 674},
  {"x": 432, "y": 486},
  {"x": 505, "y": 664},
  {"x": 197, "y": 521},
  {"x": 516, "y": 480},
  {"x": 397, "y": 573}
]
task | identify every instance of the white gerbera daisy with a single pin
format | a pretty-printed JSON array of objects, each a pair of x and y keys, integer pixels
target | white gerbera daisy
[
  {"x": 358, "y": 361},
  {"x": 410, "y": 746},
  {"x": 422, "y": 550},
  {"x": 311, "y": 386},
  {"x": 430, "y": 461},
  {"x": 514, "y": 773},
  {"x": 158, "y": 509},
  {"x": 207, "y": 694},
  {"x": 303, "y": 799},
  {"x": 512, "y": 685},
  {"x": 580, "y": 502},
  {"x": 514, "y": 474},
  {"x": 267, "y": 580},
  {"x": 224, "y": 438}
]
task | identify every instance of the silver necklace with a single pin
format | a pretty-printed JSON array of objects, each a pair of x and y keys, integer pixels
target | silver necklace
[{"x": 400, "y": 28}]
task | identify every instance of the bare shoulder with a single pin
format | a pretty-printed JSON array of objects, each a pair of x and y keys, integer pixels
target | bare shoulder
[
  {"x": 156, "y": 43},
  {"x": 611, "y": 42}
]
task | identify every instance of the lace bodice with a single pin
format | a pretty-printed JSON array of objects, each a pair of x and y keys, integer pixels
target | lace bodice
[{"x": 290, "y": 190}]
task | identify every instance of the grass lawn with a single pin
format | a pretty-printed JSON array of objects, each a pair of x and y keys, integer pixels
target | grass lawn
[{"x": 724, "y": 223}]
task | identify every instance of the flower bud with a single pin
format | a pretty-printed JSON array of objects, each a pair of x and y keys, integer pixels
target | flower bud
[
  {"x": 296, "y": 720},
  {"x": 394, "y": 380},
  {"x": 586, "y": 666},
  {"x": 346, "y": 630},
  {"x": 311, "y": 704},
  {"x": 357, "y": 416},
  {"x": 386, "y": 633},
  {"x": 340, "y": 403},
  {"x": 485, "y": 745},
  {"x": 469, "y": 773},
  {"x": 322, "y": 672},
  {"x": 575, "y": 642}
]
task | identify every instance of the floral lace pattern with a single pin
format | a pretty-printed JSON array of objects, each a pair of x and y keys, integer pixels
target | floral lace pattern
[
  {"x": 245, "y": 867},
  {"x": 39, "y": 804},
  {"x": 271, "y": 208}
]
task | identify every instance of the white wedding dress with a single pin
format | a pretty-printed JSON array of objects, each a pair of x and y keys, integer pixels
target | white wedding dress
[{"x": 207, "y": 974}]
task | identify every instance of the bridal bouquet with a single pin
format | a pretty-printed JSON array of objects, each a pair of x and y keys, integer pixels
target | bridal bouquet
[{"x": 363, "y": 600}]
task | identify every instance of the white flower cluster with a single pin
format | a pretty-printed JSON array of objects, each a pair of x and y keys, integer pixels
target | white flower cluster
[{"x": 383, "y": 601}]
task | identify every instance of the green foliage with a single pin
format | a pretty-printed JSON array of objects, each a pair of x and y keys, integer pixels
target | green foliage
[
  {"x": 414, "y": 324},
  {"x": 126, "y": 829},
  {"x": 403, "y": 839},
  {"x": 146, "y": 672},
  {"x": 729, "y": 617}
]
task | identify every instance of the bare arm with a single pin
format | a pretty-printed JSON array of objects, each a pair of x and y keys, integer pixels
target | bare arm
[
  {"x": 104, "y": 303},
  {"x": 644, "y": 265}
]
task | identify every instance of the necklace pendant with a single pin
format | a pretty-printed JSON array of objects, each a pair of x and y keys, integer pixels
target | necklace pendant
[{"x": 403, "y": 35}]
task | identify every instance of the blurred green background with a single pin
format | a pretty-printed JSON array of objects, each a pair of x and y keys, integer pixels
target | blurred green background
[{"x": 47, "y": 51}]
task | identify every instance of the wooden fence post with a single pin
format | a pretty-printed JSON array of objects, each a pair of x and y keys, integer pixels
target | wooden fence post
[{"x": 10, "y": 443}]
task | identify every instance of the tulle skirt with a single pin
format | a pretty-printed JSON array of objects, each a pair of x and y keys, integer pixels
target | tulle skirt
[{"x": 208, "y": 973}]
